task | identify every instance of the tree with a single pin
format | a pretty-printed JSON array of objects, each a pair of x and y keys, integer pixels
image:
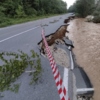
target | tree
[
  {"x": 83, "y": 7},
  {"x": 20, "y": 8}
]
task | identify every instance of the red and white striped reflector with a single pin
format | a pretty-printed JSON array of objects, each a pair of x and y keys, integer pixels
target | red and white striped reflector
[{"x": 56, "y": 74}]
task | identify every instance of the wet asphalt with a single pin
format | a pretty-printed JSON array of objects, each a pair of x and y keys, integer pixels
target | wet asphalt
[{"x": 45, "y": 89}]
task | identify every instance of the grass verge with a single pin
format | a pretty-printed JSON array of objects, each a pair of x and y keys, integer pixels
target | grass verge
[{"x": 13, "y": 21}]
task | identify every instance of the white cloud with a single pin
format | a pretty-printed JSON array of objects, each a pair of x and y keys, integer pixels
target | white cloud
[{"x": 69, "y": 2}]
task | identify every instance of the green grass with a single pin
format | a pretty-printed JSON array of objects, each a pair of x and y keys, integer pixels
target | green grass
[{"x": 13, "y": 21}]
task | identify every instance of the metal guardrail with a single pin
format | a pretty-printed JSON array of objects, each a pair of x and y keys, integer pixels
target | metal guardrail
[{"x": 84, "y": 87}]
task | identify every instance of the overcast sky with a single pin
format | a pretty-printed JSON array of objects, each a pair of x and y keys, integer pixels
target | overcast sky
[{"x": 69, "y": 2}]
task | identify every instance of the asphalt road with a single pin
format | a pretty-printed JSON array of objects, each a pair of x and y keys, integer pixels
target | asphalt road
[{"x": 25, "y": 37}]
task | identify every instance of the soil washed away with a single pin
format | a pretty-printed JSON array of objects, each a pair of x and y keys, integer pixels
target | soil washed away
[{"x": 60, "y": 55}]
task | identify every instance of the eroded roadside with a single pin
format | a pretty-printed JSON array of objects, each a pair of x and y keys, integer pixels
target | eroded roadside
[
  {"x": 86, "y": 37},
  {"x": 55, "y": 40}
]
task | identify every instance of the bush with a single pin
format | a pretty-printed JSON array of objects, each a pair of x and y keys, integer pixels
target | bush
[
  {"x": 96, "y": 19},
  {"x": 4, "y": 19},
  {"x": 41, "y": 12},
  {"x": 20, "y": 12},
  {"x": 83, "y": 7},
  {"x": 30, "y": 11},
  {"x": 96, "y": 13}
]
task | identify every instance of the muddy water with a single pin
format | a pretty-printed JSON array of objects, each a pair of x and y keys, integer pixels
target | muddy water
[{"x": 86, "y": 37}]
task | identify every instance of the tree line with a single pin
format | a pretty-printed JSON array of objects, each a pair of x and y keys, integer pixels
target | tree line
[
  {"x": 83, "y": 8},
  {"x": 23, "y": 8}
]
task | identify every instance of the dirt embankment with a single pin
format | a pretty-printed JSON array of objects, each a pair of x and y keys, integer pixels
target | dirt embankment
[
  {"x": 86, "y": 37},
  {"x": 54, "y": 39}
]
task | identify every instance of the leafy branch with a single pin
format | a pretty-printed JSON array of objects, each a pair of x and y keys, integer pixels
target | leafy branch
[{"x": 14, "y": 64}]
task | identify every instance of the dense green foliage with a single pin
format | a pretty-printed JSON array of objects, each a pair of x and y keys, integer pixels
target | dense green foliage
[
  {"x": 83, "y": 7},
  {"x": 14, "y": 64},
  {"x": 96, "y": 13},
  {"x": 26, "y": 8},
  {"x": 20, "y": 8}
]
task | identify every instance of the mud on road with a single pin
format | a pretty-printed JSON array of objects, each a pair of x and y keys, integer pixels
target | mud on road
[{"x": 86, "y": 37}]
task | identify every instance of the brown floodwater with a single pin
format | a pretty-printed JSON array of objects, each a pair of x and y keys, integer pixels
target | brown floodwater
[{"x": 86, "y": 38}]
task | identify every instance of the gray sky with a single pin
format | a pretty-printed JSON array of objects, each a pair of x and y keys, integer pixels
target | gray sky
[{"x": 69, "y": 2}]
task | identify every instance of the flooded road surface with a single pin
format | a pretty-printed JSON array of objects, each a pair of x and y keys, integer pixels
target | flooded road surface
[{"x": 86, "y": 37}]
